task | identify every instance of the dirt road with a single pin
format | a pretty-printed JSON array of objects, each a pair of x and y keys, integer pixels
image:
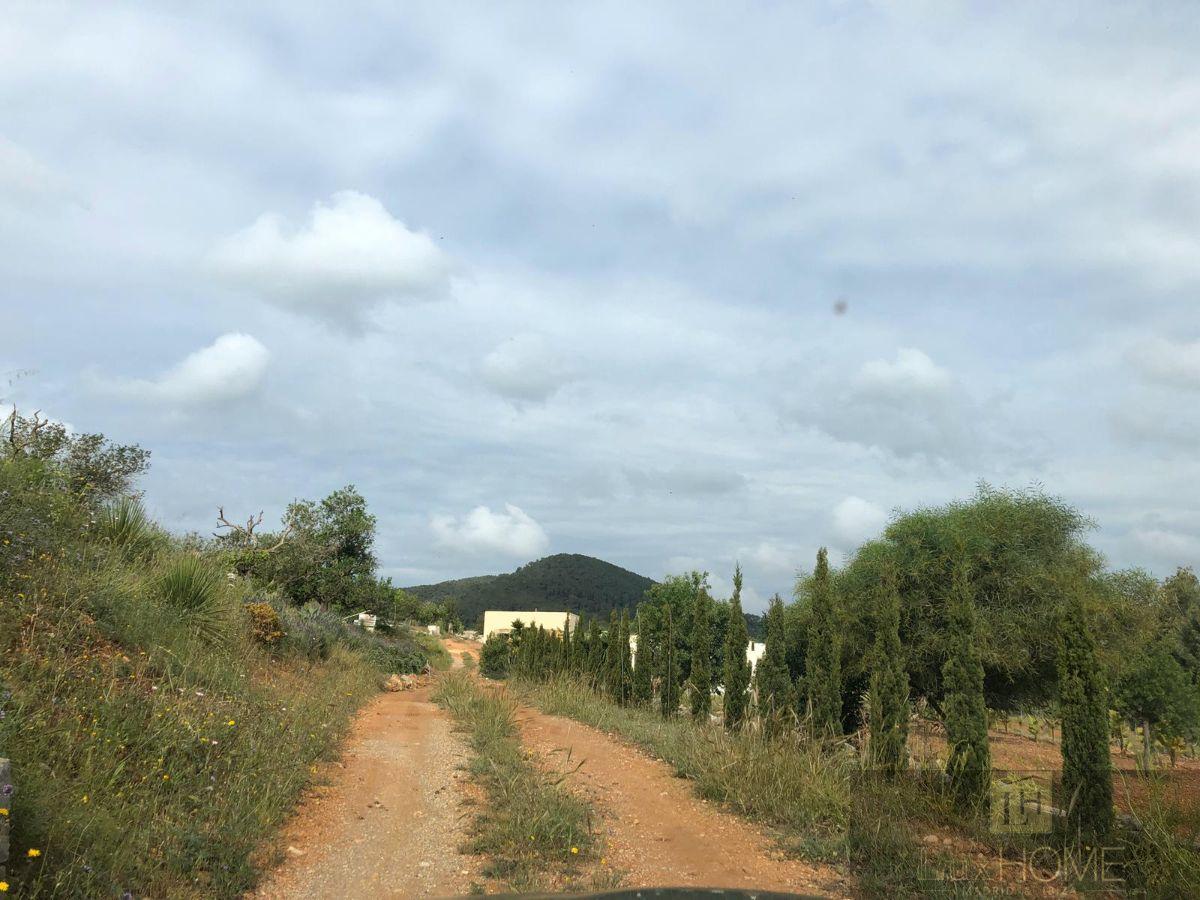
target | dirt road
[
  {"x": 389, "y": 824},
  {"x": 657, "y": 832}
]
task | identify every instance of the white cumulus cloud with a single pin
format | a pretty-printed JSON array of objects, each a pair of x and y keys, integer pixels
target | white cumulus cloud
[
  {"x": 512, "y": 532},
  {"x": 350, "y": 256},
  {"x": 856, "y": 520},
  {"x": 230, "y": 368}
]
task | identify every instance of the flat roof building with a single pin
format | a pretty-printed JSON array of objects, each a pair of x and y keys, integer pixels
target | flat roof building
[{"x": 500, "y": 621}]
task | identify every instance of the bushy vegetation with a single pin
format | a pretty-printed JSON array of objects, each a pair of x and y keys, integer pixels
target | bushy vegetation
[
  {"x": 162, "y": 713},
  {"x": 985, "y": 603},
  {"x": 532, "y": 828}
]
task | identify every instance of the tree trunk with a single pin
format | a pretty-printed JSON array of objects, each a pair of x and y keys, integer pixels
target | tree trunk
[{"x": 1147, "y": 743}]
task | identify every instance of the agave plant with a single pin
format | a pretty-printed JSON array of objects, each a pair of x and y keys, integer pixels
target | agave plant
[{"x": 193, "y": 587}]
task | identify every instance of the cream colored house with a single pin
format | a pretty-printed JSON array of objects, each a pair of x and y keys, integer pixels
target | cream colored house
[{"x": 500, "y": 621}]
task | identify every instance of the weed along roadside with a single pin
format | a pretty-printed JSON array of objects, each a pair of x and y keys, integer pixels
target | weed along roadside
[{"x": 535, "y": 834}]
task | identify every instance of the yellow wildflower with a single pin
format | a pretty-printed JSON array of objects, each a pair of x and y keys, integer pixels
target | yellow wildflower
[
  {"x": 85, "y": 799},
  {"x": 231, "y": 722},
  {"x": 574, "y": 849},
  {"x": 32, "y": 852},
  {"x": 3, "y": 810},
  {"x": 4, "y": 884}
]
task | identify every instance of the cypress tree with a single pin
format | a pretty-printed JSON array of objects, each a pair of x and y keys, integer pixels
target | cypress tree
[
  {"x": 889, "y": 685},
  {"x": 643, "y": 663},
  {"x": 578, "y": 655},
  {"x": 1086, "y": 766},
  {"x": 969, "y": 764},
  {"x": 773, "y": 682},
  {"x": 668, "y": 691},
  {"x": 700, "y": 680},
  {"x": 564, "y": 660},
  {"x": 595, "y": 662},
  {"x": 625, "y": 691},
  {"x": 822, "y": 665},
  {"x": 737, "y": 667},
  {"x": 612, "y": 657}
]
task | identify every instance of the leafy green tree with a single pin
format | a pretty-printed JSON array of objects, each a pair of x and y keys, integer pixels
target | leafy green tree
[
  {"x": 328, "y": 556},
  {"x": 889, "y": 686},
  {"x": 1020, "y": 547},
  {"x": 823, "y": 672},
  {"x": 643, "y": 663},
  {"x": 773, "y": 682},
  {"x": 1086, "y": 765},
  {"x": 1157, "y": 694},
  {"x": 88, "y": 466},
  {"x": 969, "y": 764},
  {"x": 737, "y": 667},
  {"x": 700, "y": 679},
  {"x": 668, "y": 679}
]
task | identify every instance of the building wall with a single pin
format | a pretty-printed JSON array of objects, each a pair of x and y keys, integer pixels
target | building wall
[{"x": 501, "y": 621}]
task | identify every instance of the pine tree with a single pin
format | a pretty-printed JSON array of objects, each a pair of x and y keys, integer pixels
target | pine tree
[
  {"x": 889, "y": 685},
  {"x": 700, "y": 681},
  {"x": 643, "y": 663},
  {"x": 668, "y": 692},
  {"x": 737, "y": 667},
  {"x": 969, "y": 764},
  {"x": 1086, "y": 766},
  {"x": 773, "y": 682},
  {"x": 822, "y": 666}
]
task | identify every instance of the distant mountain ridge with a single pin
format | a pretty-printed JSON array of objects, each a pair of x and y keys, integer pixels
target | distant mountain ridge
[{"x": 565, "y": 581}]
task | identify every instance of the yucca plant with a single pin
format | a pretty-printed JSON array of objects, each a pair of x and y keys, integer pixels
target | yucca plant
[
  {"x": 124, "y": 524},
  {"x": 193, "y": 587}
]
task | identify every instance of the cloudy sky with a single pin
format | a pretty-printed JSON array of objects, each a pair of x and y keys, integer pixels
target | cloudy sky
[{"x": 669, "y": 284}]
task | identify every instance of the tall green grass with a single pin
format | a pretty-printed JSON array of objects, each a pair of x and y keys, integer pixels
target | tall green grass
[{"x": 532, "y": 830}]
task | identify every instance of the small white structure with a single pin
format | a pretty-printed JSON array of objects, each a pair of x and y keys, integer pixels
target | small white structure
[
  {"x": 435, "y": 630},
  {"x": 754, "y": 652},
  {"x": 365, "y": 621},
  {"x": 500, "y": 621}
]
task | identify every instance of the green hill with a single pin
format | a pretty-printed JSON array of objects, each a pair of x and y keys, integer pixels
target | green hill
[{"x": 565, "y": 581}]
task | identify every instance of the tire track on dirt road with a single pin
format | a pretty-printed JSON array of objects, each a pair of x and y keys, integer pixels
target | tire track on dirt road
[
  {"x": 389, "y": 823},
  {"x": 657, "y": 832}
]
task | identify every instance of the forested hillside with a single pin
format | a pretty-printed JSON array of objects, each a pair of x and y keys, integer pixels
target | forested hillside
[{"x": 571, "y": 581}]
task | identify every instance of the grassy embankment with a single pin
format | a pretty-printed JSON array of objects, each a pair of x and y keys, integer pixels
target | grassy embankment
[
  {"x": 535, "y": 834},
  {"x": 162, "y": 718}
]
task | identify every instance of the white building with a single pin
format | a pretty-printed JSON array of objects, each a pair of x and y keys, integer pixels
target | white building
[
  {"x": 500, "y": 621},
  {"x": 754, "y": 652}
]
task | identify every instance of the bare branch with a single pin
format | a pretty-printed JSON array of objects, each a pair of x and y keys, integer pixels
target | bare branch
[{"x": 245, "y": 533}]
